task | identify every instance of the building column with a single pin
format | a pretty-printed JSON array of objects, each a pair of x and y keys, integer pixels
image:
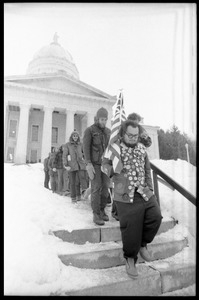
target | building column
[
  {"x": 22, "y": 136},
  {"x": 90, "y": 119},
  {"x": 47, "y": 133},
  {"x": 69, "y": 124}
]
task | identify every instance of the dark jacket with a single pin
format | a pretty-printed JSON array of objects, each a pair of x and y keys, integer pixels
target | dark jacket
[
  {"x": 51, "y": 164},
  {"x": 121, "y": 181},
  {"x": 58, "y": 161},
  {"x": 73, "y": 155},
  {"x": 95, "y": 141},
  {"x": 46, "y": 164}
]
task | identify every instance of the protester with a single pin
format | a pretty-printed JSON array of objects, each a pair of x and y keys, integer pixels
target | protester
[
  {"x": 46, "y": 171},
  {"x": 95, "y": 141},
  {"x": 138, "y": 210},
  {"x": 58, "y": 163},
  {"x": 73, "y": 161},
  {"x": 53, "y": 171},
  {"x": 143, "y": 138}
]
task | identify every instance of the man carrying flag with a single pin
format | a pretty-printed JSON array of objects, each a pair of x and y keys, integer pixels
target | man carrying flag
[{"x": 127, "y": 162}]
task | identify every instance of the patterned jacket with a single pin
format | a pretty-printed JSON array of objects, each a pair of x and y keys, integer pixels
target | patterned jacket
[{"x": 135, "y": 175}]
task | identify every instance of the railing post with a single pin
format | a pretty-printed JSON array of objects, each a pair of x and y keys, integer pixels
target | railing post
[{"x": 155, "y": 184}]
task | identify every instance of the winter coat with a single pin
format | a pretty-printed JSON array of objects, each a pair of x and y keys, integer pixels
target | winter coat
[
  {"x": 51, "y": 164},
  {"x": 73, "y": 155},
  {"x": 95, "y": 141},
  {"x": 46, "y": 164},
  {"x": 135, "y": 175},
  {"x": 58, "y": 161}
]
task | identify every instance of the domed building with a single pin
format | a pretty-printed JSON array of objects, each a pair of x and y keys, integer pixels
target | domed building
[{"x": 43, "y": 107}]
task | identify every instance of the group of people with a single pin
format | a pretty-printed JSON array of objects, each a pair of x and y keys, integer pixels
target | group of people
[
  {"x": 65, "y": 169},
  {"x": 134, "y": 204}
]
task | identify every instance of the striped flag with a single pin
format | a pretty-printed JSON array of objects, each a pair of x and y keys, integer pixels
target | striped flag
[{"x": 112, "y": 152}]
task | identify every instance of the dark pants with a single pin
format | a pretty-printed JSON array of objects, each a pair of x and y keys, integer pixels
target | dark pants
[
  {"x": 139, "y": 223},
  {"x": 77, "y": 180},
  {"x": 65, "y": 180},
  {"x": 60, "y": 179},
  {"x": 99, "y": 190},
  {"x": 54, "y": 181},
  {"x": 46, "y": 180}
]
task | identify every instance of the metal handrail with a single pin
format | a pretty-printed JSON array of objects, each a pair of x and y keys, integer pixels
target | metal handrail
[{"x": 156, "y": 171}]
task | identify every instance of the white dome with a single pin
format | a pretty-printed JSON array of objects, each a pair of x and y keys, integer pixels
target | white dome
[{"x": 53, "y": 59}]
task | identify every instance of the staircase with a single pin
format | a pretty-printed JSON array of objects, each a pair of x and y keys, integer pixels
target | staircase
[{"x": 100, "y": 248}]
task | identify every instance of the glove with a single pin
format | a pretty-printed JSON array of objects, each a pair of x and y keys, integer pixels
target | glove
[
  {"x": 67, "y": 168},
  {"x": 54, "y": 169},
  {"x": 91, "y": 171}
]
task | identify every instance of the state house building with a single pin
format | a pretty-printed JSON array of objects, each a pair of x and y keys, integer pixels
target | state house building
[{"x": 43, "y": 107}]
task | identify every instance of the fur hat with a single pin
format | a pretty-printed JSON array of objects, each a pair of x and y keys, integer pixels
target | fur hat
[{"x": 102, "y": 113}]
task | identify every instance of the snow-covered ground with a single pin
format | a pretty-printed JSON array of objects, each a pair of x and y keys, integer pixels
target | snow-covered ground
[{"x": 31, "y": 212}]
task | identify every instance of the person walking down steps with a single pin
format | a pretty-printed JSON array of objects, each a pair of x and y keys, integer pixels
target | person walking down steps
[
  {"x": 137, "y": 207},
  {"x": 95, "y": 141},
  {"x": 73, "y": 161}
]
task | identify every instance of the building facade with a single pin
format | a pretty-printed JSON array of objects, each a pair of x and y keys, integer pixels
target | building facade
[{"x": 43, "y": 107}]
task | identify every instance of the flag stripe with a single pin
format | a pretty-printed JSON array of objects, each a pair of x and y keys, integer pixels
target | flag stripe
[{"x": 112, "y": 152}]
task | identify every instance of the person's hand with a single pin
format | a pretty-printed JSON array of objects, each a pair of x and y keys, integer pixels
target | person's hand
[
  {"x": 54, "y": 169},
  {"x": 91, "y": 171},
  {"x": 67, "y": 168}
]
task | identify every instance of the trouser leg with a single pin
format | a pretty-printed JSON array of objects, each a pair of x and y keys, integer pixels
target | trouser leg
[
  {"x": 72, "y": 175},
  {"x": 82, "y": 179},
  {"x": 96, "y": 187},
  {"x": 104, "y": 193},
  {"x": 60, "y": 179},
  {"x": 131, "y": 218},
  {"x": 46, "y": 180},
  {"x": 53, "y": 183},
  {"x": 152, "y": 220},
  {"x": 66, "y": 180}
]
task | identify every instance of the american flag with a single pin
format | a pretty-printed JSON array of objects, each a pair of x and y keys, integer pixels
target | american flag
[{"x": 112, "y": 152}]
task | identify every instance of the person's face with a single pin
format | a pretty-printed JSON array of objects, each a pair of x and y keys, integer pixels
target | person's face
[
  {"x": 75, "y": 137},
  {"x": 102, "y": 122},
  {"x": 131, "y": 135}
]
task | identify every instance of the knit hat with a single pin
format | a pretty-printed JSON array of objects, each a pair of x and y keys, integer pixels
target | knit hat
[{"x": 102, "y": 113}]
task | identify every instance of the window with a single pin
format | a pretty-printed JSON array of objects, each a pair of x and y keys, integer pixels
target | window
[
  {"x": 35, "y": 132},
  {"x": 54, "y": 134},
  {"x": 13, "y": 128},
  {"x": 10, "y": 154}
]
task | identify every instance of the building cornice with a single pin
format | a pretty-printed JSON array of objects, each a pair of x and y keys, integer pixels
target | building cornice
[
  {"x": 51, "y": 91},
  {"x": 70, "y": 78}
]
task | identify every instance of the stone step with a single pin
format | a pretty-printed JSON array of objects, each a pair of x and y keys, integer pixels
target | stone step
[
  {"x": 110, "y": 254},
  {"x": 107, "y": 233},
  {"x": 151, "y": 281}
]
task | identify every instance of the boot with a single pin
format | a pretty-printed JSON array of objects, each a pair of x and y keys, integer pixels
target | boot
[
  {"x": 131, "y": 267},
  {"x": 97, "y": 219},
  {"x": 104, "y": 216},
  {"x": 145, "y": 253}
]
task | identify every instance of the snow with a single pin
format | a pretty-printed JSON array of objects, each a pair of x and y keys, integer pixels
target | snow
[{"x": 31, "y": 213}]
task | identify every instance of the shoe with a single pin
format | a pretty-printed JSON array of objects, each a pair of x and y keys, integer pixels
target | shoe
[
  {"x": 104, "y": 216},
  {"x": 131, "y": 267},
  {"x": 145, "y": 254},
  {"x": 66, "y": 193},
  {"x": 115, "y": 216},
  {"x": 97, "y": 219}
]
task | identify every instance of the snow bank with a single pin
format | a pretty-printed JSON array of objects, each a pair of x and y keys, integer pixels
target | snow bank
[{"x": 31, "y": 264}]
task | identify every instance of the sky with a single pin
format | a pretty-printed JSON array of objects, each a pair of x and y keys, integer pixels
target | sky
[{"x": 134, "y": 47}]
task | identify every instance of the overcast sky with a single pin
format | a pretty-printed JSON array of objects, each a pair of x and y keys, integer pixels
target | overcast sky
[{"x": 115, "y": 45}]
